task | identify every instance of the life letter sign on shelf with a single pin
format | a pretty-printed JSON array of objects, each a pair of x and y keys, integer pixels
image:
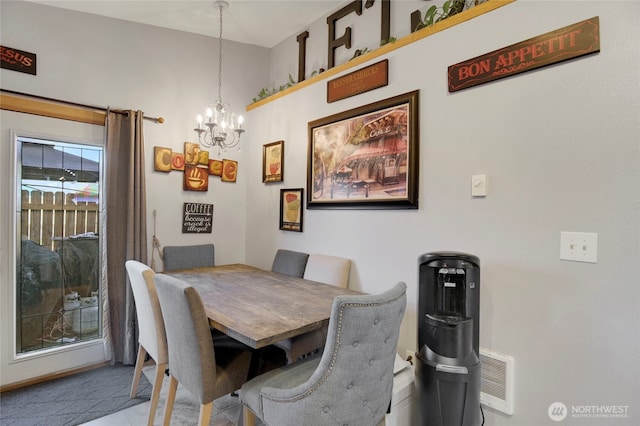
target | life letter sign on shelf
[
  {"x": 18, "y": 60},
  {"x": 357, "y": 82},
  {"x": 560, "y": 45},
  {"x": 197, "y": 218}
]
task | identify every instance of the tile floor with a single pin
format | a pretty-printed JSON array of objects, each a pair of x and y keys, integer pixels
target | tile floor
[{"x": 226, "y": 410}]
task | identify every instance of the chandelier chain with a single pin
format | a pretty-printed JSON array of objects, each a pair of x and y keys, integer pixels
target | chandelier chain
[
  {"x": 220, "y": 59},
  {"x": 222, "y": 128}
]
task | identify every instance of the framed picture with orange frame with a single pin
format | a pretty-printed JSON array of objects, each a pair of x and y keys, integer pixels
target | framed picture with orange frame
[{"x": 273, "y": 162}]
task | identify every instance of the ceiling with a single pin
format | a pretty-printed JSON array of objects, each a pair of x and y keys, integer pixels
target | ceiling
[{"x": 258, "y": 22}]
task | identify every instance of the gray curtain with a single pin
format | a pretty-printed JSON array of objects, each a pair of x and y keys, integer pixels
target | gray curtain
[{"x": 126, "y": 226}]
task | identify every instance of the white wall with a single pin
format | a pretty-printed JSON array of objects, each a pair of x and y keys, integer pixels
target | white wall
[
  {"x": 100, "y": 61},
  {"x": 560, "y": 146},
  {"x": 106, "y": 62}
]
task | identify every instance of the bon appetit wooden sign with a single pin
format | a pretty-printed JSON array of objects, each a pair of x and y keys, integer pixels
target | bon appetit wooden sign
[{"x": 566, "y": 43}]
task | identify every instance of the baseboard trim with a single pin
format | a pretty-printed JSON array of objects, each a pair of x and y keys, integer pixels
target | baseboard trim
[{"x": 46, "y": 378}]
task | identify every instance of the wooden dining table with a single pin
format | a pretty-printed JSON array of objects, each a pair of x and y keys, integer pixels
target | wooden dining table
[{"x": 259, "y": 307}]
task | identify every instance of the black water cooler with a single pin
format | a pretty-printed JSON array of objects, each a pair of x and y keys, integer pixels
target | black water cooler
[{"x": 447, "y": 361}]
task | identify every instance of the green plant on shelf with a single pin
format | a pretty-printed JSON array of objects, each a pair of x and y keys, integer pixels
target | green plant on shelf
[
  {"x": 390, "y": 40},
  {"x": 433, "y": 15},
  {"x": 449, "y": 8}
]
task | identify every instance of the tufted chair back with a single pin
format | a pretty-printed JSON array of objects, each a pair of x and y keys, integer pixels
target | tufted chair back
[
  {"x": 331, "y": 270},
  {"x": 350, "y": 383},
  {"x": 187, "y": 257}
]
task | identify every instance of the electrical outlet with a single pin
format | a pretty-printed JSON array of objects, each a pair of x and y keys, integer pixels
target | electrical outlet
[{"x": 579, "y": 246}]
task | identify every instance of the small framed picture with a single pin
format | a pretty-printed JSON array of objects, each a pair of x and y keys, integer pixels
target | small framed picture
[
  {"x": 191, "y": 153},
  {"x": 273, "y": 162},
  {"x": 215, "y": 167},
  {"x": 195, "y": 178},
  {"x": 229, "y": 170},
  {"x": 291, "y": 207},
  {"x": 177, "y": 161},
  {"x": 162, "y": 158}
]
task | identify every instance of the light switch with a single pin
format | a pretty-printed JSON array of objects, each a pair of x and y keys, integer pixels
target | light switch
[
  {"x": 479, "y": 185},
  {"x": 579, "y": 246}
]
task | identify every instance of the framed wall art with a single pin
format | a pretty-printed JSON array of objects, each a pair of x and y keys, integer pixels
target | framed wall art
[
  {"x": 191, "y": 153},
  {"x": 177, "y": 161},
  {"x": 195, "y": 178},
  {"x": 367, "y": 157},
  {"x": 195, "y": 164},
  {"x": 197, "y": 218},
  {"x": 229, "y": 170},
  {"x": 273, "y": 162},
  {"x": 162, "y": 159},
  {"x": 215, "y": 167},
  {"x": 291, "y": 203}
]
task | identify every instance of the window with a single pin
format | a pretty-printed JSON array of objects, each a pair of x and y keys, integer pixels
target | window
[{"x": 58, "y": 250}]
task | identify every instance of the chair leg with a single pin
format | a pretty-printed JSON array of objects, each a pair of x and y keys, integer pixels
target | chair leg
[
  {"x": 205, "y": 414},
  {"x": 155, "y": 394},
  {"x": 137, "y": 372},
  {"x": 254, "y": 365},
  {"x": 171, "y": 397},
  {"x": 248, "y": 417},
  {"x": 290, "y": 359}
]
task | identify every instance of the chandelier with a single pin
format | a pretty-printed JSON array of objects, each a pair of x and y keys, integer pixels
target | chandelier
[{"x": 221, "y": 127}]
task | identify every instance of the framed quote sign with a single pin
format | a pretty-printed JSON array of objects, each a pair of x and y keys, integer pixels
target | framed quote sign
[{"x": 197, "y": 218}]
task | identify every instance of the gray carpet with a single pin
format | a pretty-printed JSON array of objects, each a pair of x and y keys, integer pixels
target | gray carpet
[{"x": 73, "y": 400}]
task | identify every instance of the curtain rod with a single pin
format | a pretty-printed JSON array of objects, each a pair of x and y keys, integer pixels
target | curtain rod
[{"x": 117, "y": 111}]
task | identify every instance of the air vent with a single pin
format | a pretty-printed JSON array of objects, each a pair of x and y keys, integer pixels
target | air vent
[{"x": 496, "y": 389}]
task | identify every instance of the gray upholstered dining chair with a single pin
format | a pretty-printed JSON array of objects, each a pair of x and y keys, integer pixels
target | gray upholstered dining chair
[
  {"x": 186, "y": 257},
  {"x": 350, "y": 383},
  {"x": 206, "y": 372},
  {"x": 326, "y": 269},
  {"x": 289, "y": 262},
  {"x": 152, "y": 339}
]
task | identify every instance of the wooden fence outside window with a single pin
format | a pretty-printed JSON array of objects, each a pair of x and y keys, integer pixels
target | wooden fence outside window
[{"x": 50, "y": 216}]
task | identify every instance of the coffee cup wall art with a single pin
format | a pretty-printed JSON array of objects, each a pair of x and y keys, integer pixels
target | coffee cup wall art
[{"x": 195, "y": 164}]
